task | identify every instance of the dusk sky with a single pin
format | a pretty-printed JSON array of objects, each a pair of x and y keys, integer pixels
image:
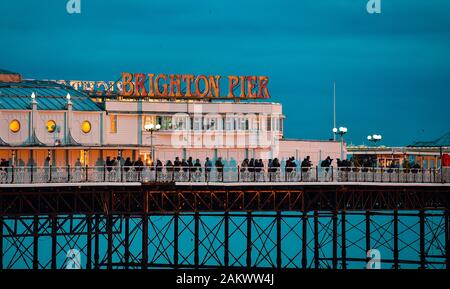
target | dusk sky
[{"x": 392, "y": 70}]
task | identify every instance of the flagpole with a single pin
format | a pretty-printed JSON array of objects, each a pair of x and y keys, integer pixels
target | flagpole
[{"x": 334, "y": 108}]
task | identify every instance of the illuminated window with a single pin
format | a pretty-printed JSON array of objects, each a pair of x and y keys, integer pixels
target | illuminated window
[
  {"x": 113, "y": 123},
  {"x": 84, "y": 157},
  {"x": 149, "y": 119},
  {"x": 14, "y": 125},
  {"x": 86, "y": 126},
  {"x": 51, "y": 126}
]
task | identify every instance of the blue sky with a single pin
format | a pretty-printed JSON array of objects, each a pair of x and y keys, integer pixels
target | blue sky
[{"x": 391, "y": 69}]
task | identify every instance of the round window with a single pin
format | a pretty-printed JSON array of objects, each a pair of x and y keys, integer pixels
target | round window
[
  {"x": 86, "y": 126},
  {"x": 14, "y": 125},
  {"x": 51, "y": 126}
]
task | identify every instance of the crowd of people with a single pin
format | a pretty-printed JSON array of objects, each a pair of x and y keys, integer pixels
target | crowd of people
[
  {"x": 191, "y": 165},
  {"x": 247, "y": 165}
]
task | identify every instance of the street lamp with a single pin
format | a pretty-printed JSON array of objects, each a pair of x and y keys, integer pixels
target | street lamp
[
  {"x": 374, "y": 138},
  {"x": 150, "y": 127},
  {"x": 341, "y": 131}
]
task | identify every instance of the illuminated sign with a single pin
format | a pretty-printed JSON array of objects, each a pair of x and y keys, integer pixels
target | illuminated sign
[
  {"x": 191, "y": 87},
  {"x": 93, "y": 86}
]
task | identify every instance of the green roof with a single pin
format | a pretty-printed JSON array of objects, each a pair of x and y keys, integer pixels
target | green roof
[
  {"x": 443, "y": 141},
  {"x": 49, "y": 96}
]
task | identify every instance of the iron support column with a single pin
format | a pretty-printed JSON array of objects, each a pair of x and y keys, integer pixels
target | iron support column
[
  {"x": 1, "y": 242},
  {"x": 196, "y": 238},
  {"x": 249, "y": 240},
  {"x": 343, "y": 245},
  {"x": 53, "y": 220},
  {"x": 422, "y": 238},
  {"x": 335, "y": 241},
  {"x": 35, "y": 242},
  {"x": 144, "y": 240},
  {"x": 395, "y": 239},
  {"x": 109, "y": 230},
  {"x": 279, "y": 239},
  {"x": 447, "y": 239},
  {"x": 97, "y": 242},
  {"x": 127, "y": 241},
  {"x": 304, "y": 240},
  {"x": 89, "y": 242},
  {"x": 316, "y": 240},
  {"x": 368, "y": 245},
  {"x": 175, "y": 239},
  {"x": 226, "y": 252}
]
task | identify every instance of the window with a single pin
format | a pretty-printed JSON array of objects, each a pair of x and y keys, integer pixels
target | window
[
  {"x": 166, "y": 123},
  {"x": 229, "y": 123},
  {"x": 84, "y": 157},
  {"x": 197, "y": 123},
  {"x": 149, "y": 119},
  {"x": 113, "y": 123},
  {"x": 275, "y": 124},
  {"x": 181, "y": 122},
  {"x": 51, "y": 126},
  {"x": 86, "y": 126},
  {"x": 240, "y": 123},
  {"x": 269, "y": 123},
  {"x": 257, "y": 123},
  {"x": 14, "y": 126},
  {"x": 212, "y": 123}
]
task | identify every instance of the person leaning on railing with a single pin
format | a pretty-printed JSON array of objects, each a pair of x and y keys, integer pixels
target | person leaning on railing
[
  {"x": 290, "y": 165},
  {"x": 326, "y": 163},
  {"x": 244, "y": 165},
  {"x": 306, "y": 164}
]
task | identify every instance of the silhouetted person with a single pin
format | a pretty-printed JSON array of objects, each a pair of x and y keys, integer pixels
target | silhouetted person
[
  {"x": 219, "y": 165},
  {"x": 208, "y": 165},
  {"x": 326, "y": 163},
  {"x": 169, "y": 166},
  {"x": 127, "y": 164},
  {"x": 197, "y": 166},
  {"x": 185, "y": 165},
  {"x": 306, "y": 164},
  {"x": 177, "y": 164}
]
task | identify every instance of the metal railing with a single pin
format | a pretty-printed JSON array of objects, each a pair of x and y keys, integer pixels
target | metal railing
[{"x": 80, "y": 174}]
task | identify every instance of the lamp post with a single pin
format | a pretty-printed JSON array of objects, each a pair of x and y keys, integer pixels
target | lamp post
[
  {"x": 374, "y": 138},
  {"x": 341, "y": 131},
  {"x": 150, "y": 127}
]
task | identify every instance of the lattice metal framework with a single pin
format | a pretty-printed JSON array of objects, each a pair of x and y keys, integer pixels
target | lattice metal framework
[{"x": 178, "y": 227}]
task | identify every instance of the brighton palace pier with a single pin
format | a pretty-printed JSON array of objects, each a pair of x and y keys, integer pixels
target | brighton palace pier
[
  {"x": 41, "y": 119},
  {"x": 63, "y": 202}
]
